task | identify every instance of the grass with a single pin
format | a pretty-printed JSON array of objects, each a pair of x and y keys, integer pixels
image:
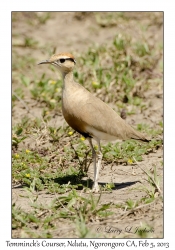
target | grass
[
  {"x": 128, "y": 149},
  {"x": 73, "y": 207},
  {"x": 52, "y": 160},
  {"x": 47, "y": 91}
]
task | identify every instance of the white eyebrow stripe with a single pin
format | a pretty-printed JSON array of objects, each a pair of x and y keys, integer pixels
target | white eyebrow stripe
[{"x": 66, "y": 57}]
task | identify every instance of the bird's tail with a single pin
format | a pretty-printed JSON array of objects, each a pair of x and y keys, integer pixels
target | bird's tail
[{"x": 139, "y": 136}]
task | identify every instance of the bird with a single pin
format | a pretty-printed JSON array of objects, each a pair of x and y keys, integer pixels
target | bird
[{"x": 89, "y": 115}]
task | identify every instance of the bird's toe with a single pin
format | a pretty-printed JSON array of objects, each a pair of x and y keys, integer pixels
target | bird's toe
[{"x": 95, "y": 188}]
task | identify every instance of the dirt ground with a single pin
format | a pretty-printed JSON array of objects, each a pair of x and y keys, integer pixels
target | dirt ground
[{"x": 75, "y": 32}]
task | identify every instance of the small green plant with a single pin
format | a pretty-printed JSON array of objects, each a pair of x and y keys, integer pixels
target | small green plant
[
  {"x": 130, "y": 204},
  {"x": 153, "y": 189},
  {"x": 48, "y": 91},
  {"x": 108, "y": 186},
  {"x": 142, "y": 49},
  {"x": 43, "y": 17},
  {"x": 17, "y": 136},
  {"x": 144, "y": 230},
  {"x": 30, "y": 42}
]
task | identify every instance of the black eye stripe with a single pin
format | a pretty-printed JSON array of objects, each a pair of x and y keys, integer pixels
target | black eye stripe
[
  {"x": 71, "y": 59},
  {"x": 62, "y": 60}
]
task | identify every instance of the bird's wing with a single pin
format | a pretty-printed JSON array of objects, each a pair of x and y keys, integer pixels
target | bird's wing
[{"x": 97, "y": 114}]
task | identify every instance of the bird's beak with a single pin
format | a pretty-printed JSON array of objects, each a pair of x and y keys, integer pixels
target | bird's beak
[{"x": 44, "y": 62}]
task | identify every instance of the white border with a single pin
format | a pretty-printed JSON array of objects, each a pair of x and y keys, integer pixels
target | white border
[{"x": 5, "y": 98}]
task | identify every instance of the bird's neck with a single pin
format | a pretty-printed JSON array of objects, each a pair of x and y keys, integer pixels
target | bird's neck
[{"x": 67, "y": 78}]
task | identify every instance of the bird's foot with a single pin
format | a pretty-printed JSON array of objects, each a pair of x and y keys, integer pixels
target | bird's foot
[{"x": 95, "y": 188}]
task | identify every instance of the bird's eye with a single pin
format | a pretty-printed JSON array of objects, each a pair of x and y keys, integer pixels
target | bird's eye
[{"x": 62, "y": 60}]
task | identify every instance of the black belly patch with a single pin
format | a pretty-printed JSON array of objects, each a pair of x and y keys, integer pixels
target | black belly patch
[{"x": 86, "y": 135}]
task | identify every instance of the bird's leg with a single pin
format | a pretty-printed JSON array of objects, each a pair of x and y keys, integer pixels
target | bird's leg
[
  {"x": 95, "y": 187},
  {"x": 96, "y": 175},
  {"x": 100, "y": 155}
]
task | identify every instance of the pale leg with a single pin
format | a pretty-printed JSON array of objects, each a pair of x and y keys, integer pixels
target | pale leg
[
  {"x": 95, "y": 187},
  {"x": 100, "y": 155}
]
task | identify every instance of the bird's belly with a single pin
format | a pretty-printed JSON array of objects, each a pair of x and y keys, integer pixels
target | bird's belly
[{"x": 99, "y": 134}]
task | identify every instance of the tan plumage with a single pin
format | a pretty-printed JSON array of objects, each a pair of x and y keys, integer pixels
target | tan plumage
[{"x": 87, "y": 114}]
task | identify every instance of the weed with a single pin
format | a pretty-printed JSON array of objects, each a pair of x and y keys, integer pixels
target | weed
[
  {"x": 30, "y": 42},
  {"x": 47, "y": 91}
]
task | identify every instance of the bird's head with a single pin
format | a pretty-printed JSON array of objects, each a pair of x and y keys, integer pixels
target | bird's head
[{"x": 65, "y": 62}]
